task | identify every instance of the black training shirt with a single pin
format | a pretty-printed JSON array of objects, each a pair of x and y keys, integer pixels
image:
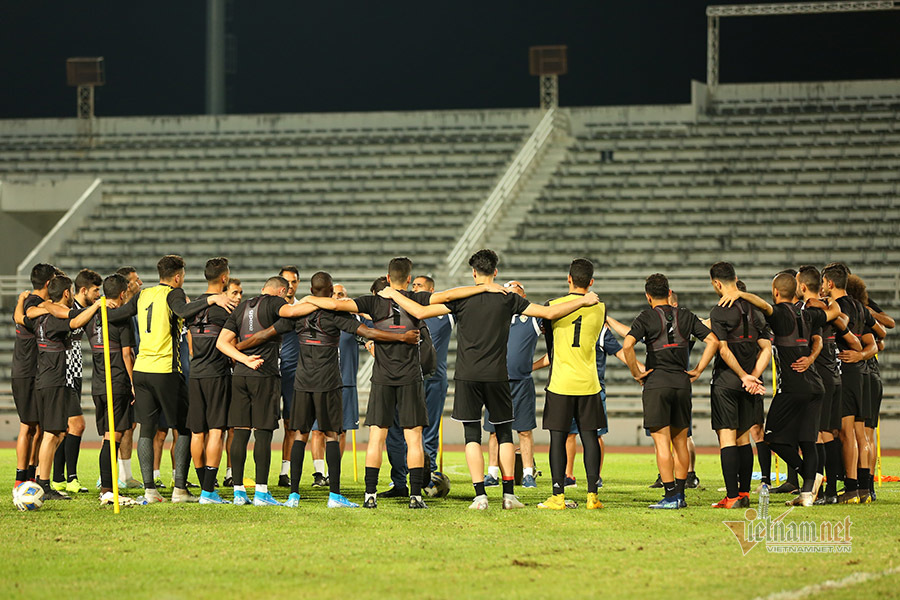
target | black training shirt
[
  {"x": 318, "y": 364},
  {"x": 396, "y": 363},
  {"x": 52, "y": 336},
  {"x": 261, "y": 313},
  {"x": 727, "y": 323},
  {"x": 482, "y": 334},
  {"x": 205, "y": 326},
  {"x": 784, "y": 323},
  {"x": 668, "y": 365},
  {"x": 25, "y": 353},
  {"x": 120, "y": 336}
]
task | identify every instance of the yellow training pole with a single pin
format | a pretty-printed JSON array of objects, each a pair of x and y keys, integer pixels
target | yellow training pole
[
  {"x": 441, "y": 446},
  {"x": 355, "y": 466},
  {"x": 878, "y": 446},
  {"x": 774, "y": 391},
  {"x": 110, "y": 415}
]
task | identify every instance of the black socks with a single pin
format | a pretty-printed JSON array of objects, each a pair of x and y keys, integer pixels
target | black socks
[
  {"x": 208, "y": 481},
  {"x": 479, "y": 488},
  {"x": 262, "y": 455},
  {"x": 764, "y": 457},
  {"x": 73, "y": 447},
  {"x": 730, "y": 465},
  {"x": 372, "y": 480},
  {"x": 558, "y": 460},
  {"x": 745, "y": 468},
  {"x": 333, "y": 460},
  {"x": 298, "y": 451},
  {"x": 238, "y": 454}
]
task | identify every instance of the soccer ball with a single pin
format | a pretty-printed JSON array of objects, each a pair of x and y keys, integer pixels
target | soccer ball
[
  {"x": 28, "y": 496},
  {"x": 440, "y": 485}
]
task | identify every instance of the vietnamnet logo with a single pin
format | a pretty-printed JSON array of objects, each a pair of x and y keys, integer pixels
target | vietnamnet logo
[{"x": 778, "y": 536}]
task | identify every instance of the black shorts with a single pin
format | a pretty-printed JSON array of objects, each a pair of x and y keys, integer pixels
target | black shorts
[
  {"x": 559, "y": 410},
  {"x": 524, "y": 402},
  {"x": 667, "y": 407},
  {"x": 160, "y": 394},
  {"x": 325, "y": 407},
  {"x": 759, "y": 410},
  {"x": 851, "y": 396},
  {"x": 830, "y": 415},
  {"x": 732, "y": 409},
  {"x": 876, "y": 391},
  {"x": 255, "y": 402},
  {"x": 793, "y": 418},
  {"x": 121, "y": 402},
  {"x": 407, "y": 401},
  {"x": 26, "y": 403},
  {"x": 208, "y": 402},
  {"x": 53, "y": 406},
  {"x": 866, "y": 397},
  {"x": 73, "y": 403},
  {"x": 471, "y": 396}
]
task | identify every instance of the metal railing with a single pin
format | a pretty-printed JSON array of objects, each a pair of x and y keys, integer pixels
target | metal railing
[{"x": 505, "y": 189}]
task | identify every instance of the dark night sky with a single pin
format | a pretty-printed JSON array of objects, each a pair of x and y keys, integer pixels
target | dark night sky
[{"x": 362, "y": 55}]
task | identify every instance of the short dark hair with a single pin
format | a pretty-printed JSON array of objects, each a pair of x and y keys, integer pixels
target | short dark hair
[
  {"x": 791, "y": 272},
  {"x": 126, "y": 271},
  {"x": 722, "y": 271},
  {"x": 169, "y": 265},
  {"x": 837, "y": 273},
  {"x": 232, "y": 281},
  {"x": 657, "y": 286},
  {"x": 290, "y": 269},
  {"x": 809, "y": 276},
  {"x": 786, "y": 284},
  {"x": 58, "y": 286},
  {"x": 320, "y": 281},
  {"x": 741, "y": 285},
  {"x": 399, "y": 269},
  {"x": 581, "y": 271},
  {"x": 378, "y": 285},
  {"x": 484, "y": 261},
  {"x": 87, "y": 278},
  {"x": 426, "y": 278},
  {"x": 215, "y": 268},
  {"x": 856, "y": 289},
  {"x": 41, "y": 273},
  {"x": 114, "y": 285},
  {"x": 276, "y": 281}
]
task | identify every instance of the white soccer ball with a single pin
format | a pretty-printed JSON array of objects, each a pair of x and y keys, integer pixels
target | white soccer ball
[{"x": 28, "y": 496}]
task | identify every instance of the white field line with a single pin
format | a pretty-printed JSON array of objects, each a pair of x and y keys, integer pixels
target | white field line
[{"x": 832, "y": 584}]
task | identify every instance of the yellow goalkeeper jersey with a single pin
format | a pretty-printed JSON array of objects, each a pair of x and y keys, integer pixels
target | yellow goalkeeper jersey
[
  {"x": 573, "y": 352},
  {"x": 160, "y": 331}
]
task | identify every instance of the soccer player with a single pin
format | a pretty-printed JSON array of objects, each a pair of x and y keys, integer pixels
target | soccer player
[
  {"x": 256, "y": 386},
  {"x": 288, "y": 366},
  {"x": 235, "y": 293},
  {"x": 209, "y": 384},
  {"x": 872, "y": 389},
  {"x": 828, "y": 446},
  {"x": 666, "y": 396},
  {"x": 523, "y": 336},
  {"x": 24, "y": 369},
  {"x": 397, "y": 376},
  {"x": 87, "y": 291},
  {"x": 318, "y": 386},
  {"x": 125, "y": 475},
  {"x": 744, "y": 354},
  {"x": 793, "y": 418},
  {"x": 440, "y": 328},
  {"x": 159, "y": 385},
  {"x": 573, "y": 391},
  {"x": 52, "y": 335},
  {"x": 481, "y": 377},
  {"x": 348, "y": 352},
  {"x": 853, "y": 413},
  {"x": 121, "y": 359}
]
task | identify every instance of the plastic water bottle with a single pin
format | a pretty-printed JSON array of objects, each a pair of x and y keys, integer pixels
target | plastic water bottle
[
  {"x": 764, "y": 501},
  {"x": 141, "y": 500}
]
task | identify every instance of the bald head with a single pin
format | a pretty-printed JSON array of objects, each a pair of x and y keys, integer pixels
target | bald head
[{"x": 340, "y": 292}]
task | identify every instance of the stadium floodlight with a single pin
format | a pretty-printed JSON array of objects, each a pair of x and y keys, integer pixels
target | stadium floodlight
[
  {"x": 85, "y": 74},
  {"x": 713, "y": 13},
  {"x": 548, "y": 63}
]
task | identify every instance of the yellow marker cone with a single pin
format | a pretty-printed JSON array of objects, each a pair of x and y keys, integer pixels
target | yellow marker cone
[
  {"x": 110, "y": 415},
  {"x": 441, "y": 446}
]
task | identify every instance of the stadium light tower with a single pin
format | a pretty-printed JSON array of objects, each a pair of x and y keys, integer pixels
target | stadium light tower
[
  {"x": 548, "y": 63},
  {"x": 85, "y": 74}
]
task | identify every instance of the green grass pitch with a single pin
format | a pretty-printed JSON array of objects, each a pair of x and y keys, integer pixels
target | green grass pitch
[{"x": 78, "y": 550}]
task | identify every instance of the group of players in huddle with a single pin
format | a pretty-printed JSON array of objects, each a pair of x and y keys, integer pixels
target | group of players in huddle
[{"x": 247, "y": 356}]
